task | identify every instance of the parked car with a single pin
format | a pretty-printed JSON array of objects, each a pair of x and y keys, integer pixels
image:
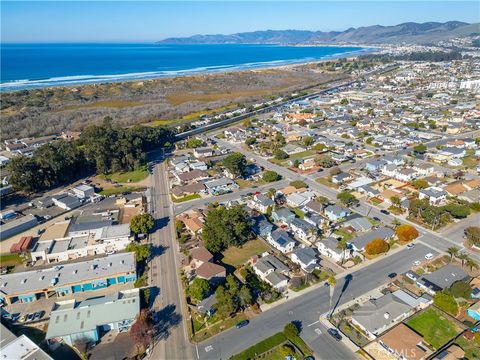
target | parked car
[
  {"x": 22, "y": 319},
  {"x": 335, "y": 334},
  {"x": 38, "y": 315},
  {"x": 385, "y": 212},
  {"x": 15, "y": 317},
  {"x": 392, "y": 275},
  {"x": 241, "y": 324},
  {"x": 29, "y": 317},
  {"x": 429, "y": 256},
  {"x": 410, "y": 246},
  {"x": 376, "y": 218},
  {"x": 417, "y": 263}
]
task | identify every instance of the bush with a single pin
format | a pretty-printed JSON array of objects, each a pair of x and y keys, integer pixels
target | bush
[
  {"x": 472, "y": 233},
  {"x": 298, "y": 184},
  {"x": 199, "y": 288},
  {"x": 280, "y": 155},
  {"x": 406, "y": 233},
  {"x": 270, "y": 176},
  {"x": 461, "y": 289},
  {"x": 376, "y": 246},
  {"x": 290, "y": 330},
  {"x": 347, "y": 199},
  {"x": 457, "y": 211},
  {"x": 446, "y": 302}
]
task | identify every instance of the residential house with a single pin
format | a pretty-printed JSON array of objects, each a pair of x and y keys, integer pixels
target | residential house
[
  {"x": 283, "y": 215},
  {"x": 202, "y": 262},
  {"x": 297, "y": 200},
  {"x": 358, "y": 223},
  {"x": 314, "y": 219},
  {"x": 441, "y": 279},
  {"x": 281, "y": 241},
  {"x": 341, "y": 178},
  {"x": 404, "y": 343},
  {"x": 19, "y": 348},
  {"x": 307, "y": 164},
  {"x": 424, "y": 169},
  {"x": 378, "y": 315},
  {"x": 358, "y": 243},
  {"x": 261, "y": 203},
  {"x": 179, "y": 192},
  {"x": 203, "y": 152},
  {"x": 261, "y": 226},
  {"x": 306, "y": 258},
  {"x": 72, "y": 320},
  {"x": 329, "y": 248},
  {"x": 303, "y": 230},
  {"x": 193, "y": 222},
  {"x": 435, "y": 195},
  {"x": 194, "y": 175},
  {"x": 292, "y": 149},
  {"x": 220, "y": 186},
  {"x": 336, "y": 213},
  {"x": 313, "y": 206},
  {"x": 271, "y": 270},
  {"x": 375, "y": 165}
]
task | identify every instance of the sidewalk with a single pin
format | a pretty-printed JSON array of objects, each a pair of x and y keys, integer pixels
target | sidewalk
[
  {"x": 294, "y": 294},
  {"x": 345, "y": 340}
]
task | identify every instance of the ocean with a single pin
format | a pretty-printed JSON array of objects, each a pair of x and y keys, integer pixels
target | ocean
[{"x": 26, "y": 66}]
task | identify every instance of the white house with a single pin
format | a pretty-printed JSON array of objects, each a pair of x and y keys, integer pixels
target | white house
[
  {"x": 435, "y": 195},
  {"x": 281, "y": 241},
  {"x": 329, "y": 248},
  {"x": 272, "y": 271},
  {"x": 261, "y": 203},
  {"x": 306, "y": 258}
]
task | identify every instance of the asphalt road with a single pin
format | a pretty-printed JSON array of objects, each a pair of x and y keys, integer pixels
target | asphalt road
[
  {"x": 168, "y": 305},
  {"x": 308, "y": 308}
]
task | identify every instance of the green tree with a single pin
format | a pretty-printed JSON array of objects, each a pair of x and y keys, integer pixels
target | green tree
[
  {"x": 325, "y": 161},
  {"x": 420, "y": 149},
  {"x": 290, "y": 330},
  {"x": 226, "y": 304},
  {"x": 446, "y": 302},
  {"x": 457, "y": 211},
  {"x": 226, "y": 227},
  {"x": 280, "y": 155},
  {"x": 344, "y": 101},
  {"x": 369, "y": 140},
  {"x": 270, "y": 176},
  {"x": 250, "y": 141},
  {"x": 199, "y": 289},
  {"x": 307, "y": 141},
  {"x": 245, "y": 296},
  {"x": 420, "y": 184},
  {"x": 193, "y": 143},
  {"x": 236, "y": 163},
  {"x": 453, "y": 252},
  {"x": 347, "y": 198},
  {"x": 141, "y": 223},
  {"x": 142, "y": 252},
  {"x": 395, "y": 200},
  {"x": 461, "y": 289}
]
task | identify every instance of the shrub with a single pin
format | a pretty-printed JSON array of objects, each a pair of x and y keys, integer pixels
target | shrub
[
  {"x": 461, "y": 289},
  {"x": 280, "y": 155},
  {"x": 457, "y": 211},
  {"x": 376, "y": 246},
  {"x": 290, "y": 330},
  {"x": 406, "y": 233},
  {"x": 298, "y": 184},
  {"x": 270, "y": 176},
  {"x": 446, "y": 302},
  {"x": 472, "y": 233}
]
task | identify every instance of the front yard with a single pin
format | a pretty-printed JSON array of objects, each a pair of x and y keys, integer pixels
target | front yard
[
  {"x": 129, "y": 176},
  {"x": 435, "y": 327},
  {"x": 186, "y": 198}
]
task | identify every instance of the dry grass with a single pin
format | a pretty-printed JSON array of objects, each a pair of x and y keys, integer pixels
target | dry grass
[{"x": 117, "y": 104}]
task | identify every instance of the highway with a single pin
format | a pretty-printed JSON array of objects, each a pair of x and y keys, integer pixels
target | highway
[
  {"x": 168, "y": 305},
  {"x": 308, "y": 308}
]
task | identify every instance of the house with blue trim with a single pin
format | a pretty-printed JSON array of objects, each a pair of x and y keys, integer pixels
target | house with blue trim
[
  {"x": 63, "y": 280},
  {"x": 88, "y": 320}
]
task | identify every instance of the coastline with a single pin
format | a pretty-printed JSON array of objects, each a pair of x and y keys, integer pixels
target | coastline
[{"x": 81, "y": 80}]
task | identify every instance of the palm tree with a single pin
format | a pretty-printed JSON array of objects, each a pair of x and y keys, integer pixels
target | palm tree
[
  {"x": 331, "y": 281},
  {"x": 472, "y": 264},
  {"x": 464, "y": 257},
  {"x": 453, "y": 252}
]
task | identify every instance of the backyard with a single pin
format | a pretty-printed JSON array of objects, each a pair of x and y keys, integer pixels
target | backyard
[
  {"x": 435, "y": 328},
  {"x": 237, "y": 256}
]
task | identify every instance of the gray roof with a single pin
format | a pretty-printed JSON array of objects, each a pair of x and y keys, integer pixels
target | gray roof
[
  {"x": 65, "y": 275},
  {"x": 72, "y": 317},
  {"x": 87, "y": 226},
  {"x": 116, "y": 231},
  {"x": 218, "y": 182},
  {"x": 305, "y": 255},
  {"x": 281, "y": 237},
  {"x": 359, "y": 223},
  {"x": 264, "y": 200},
  {"x": 19, "y": 348},
  {"x": 380, "y": 312},
  {"x": 283, "y": 213},
  {"x": 69, "y": 201},
  {"x": 270, "y": 262},
  {"x": 443, "y": 278},
  {"x": 276, "y": 278},
  {"x": 336, "y": 210},
  {"x": 332, "y": 244},
  {"x": 19, "y": 222},
  {"x": 432, "y": 192},
  {"x": 382, "y": 232}
]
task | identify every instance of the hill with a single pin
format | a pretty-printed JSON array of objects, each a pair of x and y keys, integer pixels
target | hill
[{"x": 410, "y": 32}]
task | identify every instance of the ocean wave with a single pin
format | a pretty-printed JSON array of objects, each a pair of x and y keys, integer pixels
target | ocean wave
[{"x": 105, "y": 78}]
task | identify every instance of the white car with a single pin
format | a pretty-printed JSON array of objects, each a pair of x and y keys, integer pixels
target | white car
[
  {"x": 429, "y": 256},
  {"x": 410, "y": 246},
  {"x": 417, "y": 263}
]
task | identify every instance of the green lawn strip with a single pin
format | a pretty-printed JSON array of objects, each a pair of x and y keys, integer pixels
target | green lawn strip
[
  {"x": 10, "y": 259},
  {"x": 118, "y": 190},
  {"x": 299, "y": 213},
  {"x": 186, "y": 198},
  {"x": 436, "y": 329},
  {"x": 218, "y": 327},
  {"x": 237, "y": 256},
  {"x": 298, "y": 342},
  {"x": 130, "y": 176},
  {"x": 344, "y": 234},
  {"x": 261, "y": 347}
]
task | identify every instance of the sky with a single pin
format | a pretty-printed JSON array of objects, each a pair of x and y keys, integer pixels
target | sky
[{"x": 147, "y": 21}]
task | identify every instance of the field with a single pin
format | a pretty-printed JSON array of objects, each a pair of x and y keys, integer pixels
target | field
[
  {"x": 435, "y": 328},
  {"x": 186, "y": 198},
  {"x": 10, "y": 259},
  {"x": 130, "y": 176},
  {"x": 237, "y": 256},
  {"x": 116, "y": 104}
]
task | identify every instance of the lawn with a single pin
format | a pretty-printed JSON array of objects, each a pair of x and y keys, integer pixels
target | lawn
[
  {"x": 205, "y": 333},
  {"x": 130, "y": 176},
  {"x": 345, "y": 235},
  {"x": 299, "y": 213},
  {"x": 10, "y": 259},
  {"x": 118, "y": 190},
  {"x": 326, "y": 182},
  {"x": 471, "y": 348},
  {"x": 435, "y": 328},
  {"x": 237, "y": 256},
  {"x": 186, "y": 198}
]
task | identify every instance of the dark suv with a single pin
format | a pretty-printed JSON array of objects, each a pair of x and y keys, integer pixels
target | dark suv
[{"x": 335, "y": 334}]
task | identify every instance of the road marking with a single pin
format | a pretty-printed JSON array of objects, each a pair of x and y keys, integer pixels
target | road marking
[
  {"x": 313, "y": 323},
  {"x": 318, "y": 331},
  {"x": 208, "y": 348},
  {"x": 196, "y": 348}
]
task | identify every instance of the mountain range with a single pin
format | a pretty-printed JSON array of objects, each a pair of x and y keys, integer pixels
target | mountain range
[{"x": 410, "y": 32}]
